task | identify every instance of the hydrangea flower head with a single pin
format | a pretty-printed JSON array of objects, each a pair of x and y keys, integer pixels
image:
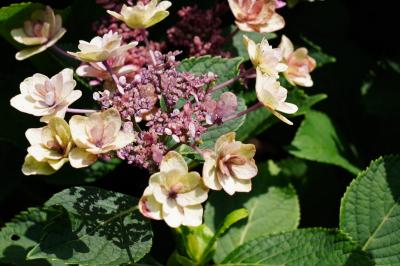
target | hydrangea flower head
[
  {"x": 142, "y": 16},
  {"x": 264, "y": 57},
  {"x": 42, "y": 31},
  {"x": 41, "y": 96},
  {"x": 97, "y": 134},
  {"x": 230, "y": 166},
  {"x": 273, "y": 96},
  {"x": 300, "y": 64},
  {"x": 174, "y": 194},
  {"x": 102, "y": 48},
  {"x": 50, "y": 147},
  {"x": 256, "y": 15}
]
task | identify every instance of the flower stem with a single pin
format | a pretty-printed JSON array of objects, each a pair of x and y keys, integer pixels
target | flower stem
[
  {"x": 197, "y": 149},
  {"x": 80, "y": 111},
  {"x": 151, "y": 52},
  {"x": 60, "y": 51},
  {"x": 245, "y": 75},
  {"x": 248, "y": 110},
  {"x": 223, "y": 84},
  {"x": 113, "y": 76}
]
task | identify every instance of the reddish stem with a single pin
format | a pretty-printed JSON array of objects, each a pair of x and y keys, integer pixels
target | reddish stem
[{"x": 248, "y": 110}]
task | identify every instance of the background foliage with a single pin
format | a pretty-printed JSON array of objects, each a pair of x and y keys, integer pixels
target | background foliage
[{"x": 306, "y": 168}]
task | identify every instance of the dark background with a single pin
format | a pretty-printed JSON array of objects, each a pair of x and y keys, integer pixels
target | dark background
[{"x": 363, "y": 93}]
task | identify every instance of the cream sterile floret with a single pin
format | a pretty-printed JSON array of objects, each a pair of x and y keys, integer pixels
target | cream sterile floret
[
  {"x": 273, "y": 96},
  {"x": 50, "y": 147},
  {"x": 47, "y": 97},
  {"x": 42, "y": 31},
  {"x": 174, "y": 194},
  {"x": 299, "y": 63},
  {"x": 257, "y": 15},
  {"x": 230, "y": 166},
  {"x": 100, "y": 49},
  {"x": 97, "y": 134},
  {"x": 142, "y": 16},
  {"x": 265, "y": 58}
]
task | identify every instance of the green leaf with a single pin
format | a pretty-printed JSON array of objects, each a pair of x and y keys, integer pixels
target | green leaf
[
  {"x": 316, "y": 52},
  {"x": 22, "y": 234},
  {"x": 193, "y": 241},
  {"x": 237, "y": 41},
  {"x": 214, "y": 132},
  {"x": 232, "y": 218},
  {"x": 100, "y": 228},
  {"x": 178, "y": 260},
  {"x": 225, "y": 68},
  {"x": 272, "y": 206},
  {"x": 261, "y": 119},
  {"x": 370, "y": 210},
  {"x": 300, "y": 247},
  {"x": 317, "y": 140}
]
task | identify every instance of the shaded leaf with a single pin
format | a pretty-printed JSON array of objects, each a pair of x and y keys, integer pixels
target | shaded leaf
[
  {"x": 22, "y": 234},
  {"x": 317, "y": 140},
  {"x": 100, "y": 227}
]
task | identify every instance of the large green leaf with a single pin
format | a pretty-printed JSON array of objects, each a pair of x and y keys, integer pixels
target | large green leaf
[
  {"x": 317, "y": 140},
  {"x": 223, "y": 67},
  {"x": 309, "y": 247},
  {"x": 370, "y": 210},
  {"x": 272, "y": 206},
  {"x": 100, "y": 228},
  {"x": 261, "y": 119},
  {"x": 22, "y": 234}
]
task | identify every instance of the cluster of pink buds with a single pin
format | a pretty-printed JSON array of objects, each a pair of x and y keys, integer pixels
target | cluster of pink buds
[{"x": 140, "y": 102}]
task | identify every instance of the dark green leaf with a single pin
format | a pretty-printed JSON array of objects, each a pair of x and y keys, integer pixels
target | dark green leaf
[
  {"x": 317, "y": 140},
  {"x": 100, "y": 228},
  {"x": 22, "y": 234}
]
